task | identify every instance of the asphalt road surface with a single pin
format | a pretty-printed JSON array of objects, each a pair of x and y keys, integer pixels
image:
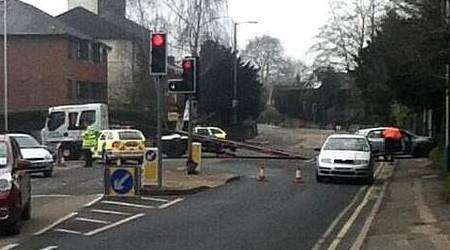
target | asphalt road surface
[{"x": 244, "y": 214}]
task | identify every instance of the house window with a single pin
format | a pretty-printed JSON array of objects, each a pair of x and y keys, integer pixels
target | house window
[
  {"x": 83, "y": 52},
  {"x": 104, "y": 55},
  {"x": 96, "y": 52}
]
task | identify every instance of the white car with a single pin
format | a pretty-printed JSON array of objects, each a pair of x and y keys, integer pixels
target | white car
[
  {"x": 345, "y": 156},
  {"x": 41, "y": 159}
]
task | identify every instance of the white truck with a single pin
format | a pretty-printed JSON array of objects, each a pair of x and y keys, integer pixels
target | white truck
[{"x": 64, "y": 125}]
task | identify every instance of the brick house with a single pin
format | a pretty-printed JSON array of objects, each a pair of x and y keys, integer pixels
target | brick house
[{"x": 50, "y": 63}]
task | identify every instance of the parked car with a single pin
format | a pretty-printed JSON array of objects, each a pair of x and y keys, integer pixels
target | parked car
[
  {"x": 345, "y": 156},
  {"x": 15, "y": 186},
  {"x": 412, "y": 144},
  {"x": 211, "y": 131},
  {"x": 42, "y": 160},
  {"x": 120, "y": 144}
]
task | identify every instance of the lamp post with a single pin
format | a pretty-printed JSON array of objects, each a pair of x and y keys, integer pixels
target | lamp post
[
  {"x": 5, "y": 63},
  {"x": 235, "y": 101}
]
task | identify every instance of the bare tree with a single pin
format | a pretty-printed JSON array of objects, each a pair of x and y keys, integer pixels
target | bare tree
[
  {"x": 350, "y": 26},
  {"x": 189, "y": 23}
]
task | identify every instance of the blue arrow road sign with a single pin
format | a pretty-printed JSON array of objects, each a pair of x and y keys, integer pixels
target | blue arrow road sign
[{"x": 122, "y": 181}]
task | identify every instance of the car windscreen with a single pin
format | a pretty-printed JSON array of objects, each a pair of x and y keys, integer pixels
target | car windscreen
[
  {"x": 55, "y": 120},
  {"x": 347, "y": 144},
  {"x": 216, "y": 131},
  {"x": 130, "y": 135},
  {"x": 3, "y": 155},
  {"x": 27, "y": 142}
]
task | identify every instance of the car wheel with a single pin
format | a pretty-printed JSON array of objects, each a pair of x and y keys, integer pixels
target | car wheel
[
  {"x": 26, "y": 214},
  {"x": 319, "y": 178},
  {"x": 13, "y": 228},
  {"x": 370, "y": 179},
  {"x": 48, "y": 173}
]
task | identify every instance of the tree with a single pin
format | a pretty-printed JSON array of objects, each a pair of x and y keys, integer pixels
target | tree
[
  {"x": 216, "y": 91},
  {"x": 266, "y": 52},
  {"x": 350, "y": 26},
  {"x": 189, "y": 23}
]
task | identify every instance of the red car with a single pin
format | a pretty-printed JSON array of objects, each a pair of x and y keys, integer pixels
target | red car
[{"x": 15, "y": 187}]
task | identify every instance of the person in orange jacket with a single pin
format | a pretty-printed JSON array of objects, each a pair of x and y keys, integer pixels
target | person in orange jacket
[{"x": 392, "y": 141}]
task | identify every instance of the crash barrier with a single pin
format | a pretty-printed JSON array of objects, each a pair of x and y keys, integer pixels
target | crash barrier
[{"x": 122, "y": 180}]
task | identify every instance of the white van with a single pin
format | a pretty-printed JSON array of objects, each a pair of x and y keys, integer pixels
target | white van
[{"x": 64, "y": 125}]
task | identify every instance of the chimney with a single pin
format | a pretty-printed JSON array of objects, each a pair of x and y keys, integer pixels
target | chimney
[{"x": 113, "y": 9}]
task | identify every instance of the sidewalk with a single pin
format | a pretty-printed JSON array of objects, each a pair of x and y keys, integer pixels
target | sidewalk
[{"x": 413, "y": 214}]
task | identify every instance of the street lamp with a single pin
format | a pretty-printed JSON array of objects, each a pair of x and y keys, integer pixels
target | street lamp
[
  {"x": 235, "y": 101},
  {"x": 5, "y": 63}
]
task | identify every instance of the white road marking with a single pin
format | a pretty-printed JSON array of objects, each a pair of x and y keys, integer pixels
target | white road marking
[
  {"x": 62, "y": 230},
  {"x": 352, "y": 219},
  {"x": 9, "y": 247},
  {"x": 99, "y": 197},
  {"x": 153, "y": 199},
  {"x": 346, "y": 209},
  {"x": 56, "y": 223},
  {"x": 337, "y": 219},
  {"x": 170, "y": 203},
  {"x": 92, "y": 220},
  {"x": 109, "y": 212},
  {"x": 365, "y": 230},
  {"x": 50, "y": 248},
  {"x": 51, "y": 196},
  {"x": 126, "y": 204},
  {"x": 96, "y": 231}
]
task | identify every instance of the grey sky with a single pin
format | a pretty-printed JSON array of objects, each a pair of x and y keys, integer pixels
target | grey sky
[{"x": 294, "y": 22}]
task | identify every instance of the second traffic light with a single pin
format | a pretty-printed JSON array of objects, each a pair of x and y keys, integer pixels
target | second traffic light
[{"x": 188, "y": 83}]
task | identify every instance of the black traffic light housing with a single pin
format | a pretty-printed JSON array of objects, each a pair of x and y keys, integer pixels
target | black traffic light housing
[
  {"x": 188, "y": 83},
  {"x": 158, "y": 52}
]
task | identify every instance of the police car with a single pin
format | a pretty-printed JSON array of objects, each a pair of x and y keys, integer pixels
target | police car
[{"x": 120, "y": 145}]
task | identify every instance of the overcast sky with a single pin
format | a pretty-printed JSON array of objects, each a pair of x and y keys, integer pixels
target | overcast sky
[{"x": 294, "y": 22}]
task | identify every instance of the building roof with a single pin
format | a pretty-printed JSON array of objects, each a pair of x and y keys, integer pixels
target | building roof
[
  {"x": 102, "y": 27},
  {"x": 24, "y": 19}
]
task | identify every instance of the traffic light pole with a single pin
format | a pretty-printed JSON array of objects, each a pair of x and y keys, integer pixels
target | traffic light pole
[
  {"x": 190, "y": 163},
  {"x": 447, "y": 99},
  {"x": 159, "y": 94}
]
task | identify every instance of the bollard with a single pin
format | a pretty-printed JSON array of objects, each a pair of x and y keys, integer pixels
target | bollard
[{"x": 298, "y": 176}]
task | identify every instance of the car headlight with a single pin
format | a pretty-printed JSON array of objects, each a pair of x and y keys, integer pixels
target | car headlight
[
  {"x": 326, "y": 160},
  {"x": 5, "y": 185},
  {"x": 48, "y": 157},
  {"x": 360, "y": 162}
]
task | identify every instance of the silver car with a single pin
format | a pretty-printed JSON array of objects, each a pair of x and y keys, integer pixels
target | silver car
[{"x": 345, "y": 156}]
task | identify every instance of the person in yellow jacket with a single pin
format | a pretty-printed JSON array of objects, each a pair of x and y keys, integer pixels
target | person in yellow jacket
[{"x": 90, "y": 138}]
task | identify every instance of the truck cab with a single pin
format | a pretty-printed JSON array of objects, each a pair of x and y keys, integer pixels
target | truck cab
[{"x": 64, "y": 125}]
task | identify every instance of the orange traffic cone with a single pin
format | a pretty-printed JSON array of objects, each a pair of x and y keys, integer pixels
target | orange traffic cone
[
  {"x": 298, "y": 176},
  {"x": 261, "y": 175}
]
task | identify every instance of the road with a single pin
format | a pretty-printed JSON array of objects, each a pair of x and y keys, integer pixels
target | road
[{"x": 244, "y": 214}]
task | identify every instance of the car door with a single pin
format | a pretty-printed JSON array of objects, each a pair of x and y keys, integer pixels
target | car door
[
  {"x": 21, "y": 177},
  {"x": 376, "y": 140}
]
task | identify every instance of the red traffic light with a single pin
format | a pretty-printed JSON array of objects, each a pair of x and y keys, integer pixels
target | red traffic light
[{"x": 158, "y": 40}]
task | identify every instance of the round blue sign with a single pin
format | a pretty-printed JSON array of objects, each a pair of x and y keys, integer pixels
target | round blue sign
[
  {"x": 150, "y": 155},
  {"x": 122, "y": 181}
]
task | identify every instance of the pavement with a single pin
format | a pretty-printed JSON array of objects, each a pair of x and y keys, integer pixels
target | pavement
[{"x": 414, "y": 213}]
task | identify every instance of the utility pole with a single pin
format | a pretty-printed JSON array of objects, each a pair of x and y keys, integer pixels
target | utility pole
[
  {"x": 159, "y": 95},
  {"x": 447, "y": 99},
  {"x": 5, "y": 63}
]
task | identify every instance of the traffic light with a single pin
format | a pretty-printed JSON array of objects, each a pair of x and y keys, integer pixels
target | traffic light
[
  {"x": 158, "y": 45},
  {"x": 188, "y": 83}
]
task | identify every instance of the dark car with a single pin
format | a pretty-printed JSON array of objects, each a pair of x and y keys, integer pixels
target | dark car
[
  {"x": 15, "y": 187},
  {"x": 411, "y": 144}
]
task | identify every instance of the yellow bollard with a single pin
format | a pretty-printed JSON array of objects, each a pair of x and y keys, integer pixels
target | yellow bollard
[{"x": 197, "y": 155}]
